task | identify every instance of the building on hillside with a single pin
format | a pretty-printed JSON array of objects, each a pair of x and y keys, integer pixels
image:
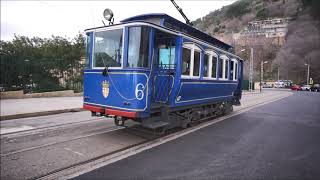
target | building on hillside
[{"x": 276, "y": 29}]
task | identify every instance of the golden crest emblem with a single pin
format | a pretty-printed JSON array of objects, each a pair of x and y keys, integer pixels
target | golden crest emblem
[{"x": 105, "y": 88}]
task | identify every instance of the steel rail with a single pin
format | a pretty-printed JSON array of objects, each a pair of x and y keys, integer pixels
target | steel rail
[
  {"x": 105, "y": 159},
  {"x": 114, "y": 128},
  {"x": 47, "y": 128}
]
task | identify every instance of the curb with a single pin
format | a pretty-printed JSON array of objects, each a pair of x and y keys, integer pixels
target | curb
[
  {"x": 252, "y": 92},
  {"x": 36, "y": 114}
]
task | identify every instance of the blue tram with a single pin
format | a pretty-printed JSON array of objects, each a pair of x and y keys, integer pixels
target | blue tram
[{"x": 160, "y": 72}]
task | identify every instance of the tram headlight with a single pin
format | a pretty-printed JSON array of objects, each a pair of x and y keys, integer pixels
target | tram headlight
[{"x": 108, "y": 14}]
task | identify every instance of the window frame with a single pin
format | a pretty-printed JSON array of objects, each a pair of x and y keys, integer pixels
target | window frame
[
  {"x": 224, "y": 73},
  {"x": 87, "y": 63},
  {"x": 192, "y": 47},
  {"x": 183, "y": 35},
  {"x": 94, "y": 46},
  {"x": 212, "y": 55},
  {"x": 149, "y": 47},
  {"x": 235, "y": 65}
]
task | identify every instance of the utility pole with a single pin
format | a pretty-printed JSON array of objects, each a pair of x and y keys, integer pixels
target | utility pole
[
  {"x": 278, "y": 73},
  {"x": 251, "y": 70},
  {"x": 308, "y": 73},
  {"x": 261, "y": 74}
]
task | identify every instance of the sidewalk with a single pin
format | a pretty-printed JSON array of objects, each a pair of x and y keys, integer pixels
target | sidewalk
[{"x": 30, "y": 107}]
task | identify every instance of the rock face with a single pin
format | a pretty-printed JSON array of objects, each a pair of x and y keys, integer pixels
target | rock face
[{"x": 288, "y": 51}]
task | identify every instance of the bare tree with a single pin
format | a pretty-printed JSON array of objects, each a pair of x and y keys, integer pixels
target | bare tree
[{"x": 302, "y": 46}]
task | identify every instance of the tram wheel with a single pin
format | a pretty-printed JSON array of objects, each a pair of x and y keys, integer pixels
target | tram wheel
[{"x": 119, "y": 121}]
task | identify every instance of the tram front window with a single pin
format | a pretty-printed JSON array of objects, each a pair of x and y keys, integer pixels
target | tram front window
[
  {"x": 138, "y": 47},
  {"x": 108, "y": 48}
]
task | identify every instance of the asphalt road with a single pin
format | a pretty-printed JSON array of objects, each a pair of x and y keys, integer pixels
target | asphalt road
[{"x": 279, "y": 140}]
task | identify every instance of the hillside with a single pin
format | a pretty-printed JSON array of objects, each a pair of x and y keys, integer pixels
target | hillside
[
  {"x": 302, "y": 42},
  {"x": 234, "y": 18}
]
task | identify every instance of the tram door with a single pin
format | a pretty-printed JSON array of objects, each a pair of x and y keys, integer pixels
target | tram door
[{"x": 164, "y": 69}]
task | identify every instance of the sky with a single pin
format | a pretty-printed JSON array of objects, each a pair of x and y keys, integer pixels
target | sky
[{"x": 68, "y": 18}]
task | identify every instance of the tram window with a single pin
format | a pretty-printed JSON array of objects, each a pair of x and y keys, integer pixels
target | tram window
[
  {"x": 214, "y": 67},
  {"x": 196, "y": 65},
  {"x": 226, "y": 69},
  {"x": 220, "y": 67},
  {"x": 186, "y": 56},
  {"x": 235, "y": 71},
  {"x": 138, "y": 48},
  {"x": 87, "y": 51},
  {"x": 206, "y": 65},
  {"x": 166, "y": 57},
  {"x": 231, "y": 77},
  {"x": 108, "y": 48}
]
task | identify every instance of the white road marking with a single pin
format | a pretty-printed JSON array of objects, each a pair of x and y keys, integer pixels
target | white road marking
[
  {"x": 85, "y": 168},
  {"x": 76, "y": 152},
  {"x": 15, "y": 129}
]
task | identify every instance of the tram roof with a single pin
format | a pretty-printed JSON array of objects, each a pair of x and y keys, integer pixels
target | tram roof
[{"x": 172, "y": 23}]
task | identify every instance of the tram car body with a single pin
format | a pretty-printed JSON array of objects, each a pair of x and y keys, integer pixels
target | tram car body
[{"x": 160, "y": 72}]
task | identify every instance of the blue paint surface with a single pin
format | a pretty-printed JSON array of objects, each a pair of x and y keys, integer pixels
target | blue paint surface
[
  {"x": 136, "y": 89},
  {"x": 199, "y": 91},
  {"x": 122, "y": 90}
]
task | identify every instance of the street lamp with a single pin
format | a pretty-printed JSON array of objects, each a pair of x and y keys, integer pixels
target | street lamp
[
  {"x": 308, "y": 73},
  {"x": 261, "y": 74},
  {"x": 250, "y": 68}
]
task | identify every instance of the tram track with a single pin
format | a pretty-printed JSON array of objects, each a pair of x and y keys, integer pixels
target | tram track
[
  {"x": 92, "y": 161},
  {"x": 48, "y": 128},
  {"x": 114, "y": 128},
  {"x": 108, "y": 158}
]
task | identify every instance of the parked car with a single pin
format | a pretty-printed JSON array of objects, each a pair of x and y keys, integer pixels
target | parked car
[
  {"x": 306, "y": 88},
  {"x": 283, "y": 84},
  {"x": 315, "y": 87},
  {"x": 279, "y": 84},
  {"x": 296, "y": 87},
  {"x": 266, "y": 85},
  {"x": 2, "y": 88}
]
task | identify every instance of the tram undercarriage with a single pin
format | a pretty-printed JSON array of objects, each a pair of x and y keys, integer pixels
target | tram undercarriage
[{"x": 163, "y": 118}]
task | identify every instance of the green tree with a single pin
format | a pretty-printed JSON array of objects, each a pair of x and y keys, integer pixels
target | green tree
[{"x": 45, "y": 63}]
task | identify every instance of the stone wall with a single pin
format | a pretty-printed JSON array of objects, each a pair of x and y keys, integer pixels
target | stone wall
[{"x": 20, "y": 95}]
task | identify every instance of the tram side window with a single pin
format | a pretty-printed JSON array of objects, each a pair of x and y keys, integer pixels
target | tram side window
[
  {"x": 138, "y": 48},
  {"x": 186, "y": 57},
  {"x": 235, "y": 70},
  {"x": 206, "y": 65},
  {"x": 226, "y": 68},
  {"x": 108, "y": 48},
  {"x": 196, "y": 65},
  {"x": 231, "y": 77},
  {"x": 220, "y": 61},
  {"x": 87, "y": 60},
  {"x": 214, "y": 67}
]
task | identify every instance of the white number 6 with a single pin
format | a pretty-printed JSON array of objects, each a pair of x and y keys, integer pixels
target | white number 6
[{"x": 139, "y": 91}]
